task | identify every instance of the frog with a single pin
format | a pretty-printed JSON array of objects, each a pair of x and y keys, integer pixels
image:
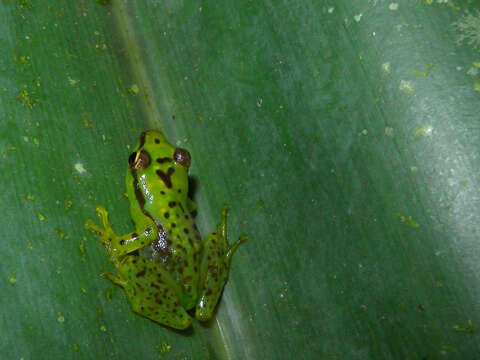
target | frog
[{"x": 168, "y": 272}]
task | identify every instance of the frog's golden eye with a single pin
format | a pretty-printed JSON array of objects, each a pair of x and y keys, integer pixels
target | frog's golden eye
[
  {"x": 139, "y": 160},
  {"x": 182, "y": 157}
]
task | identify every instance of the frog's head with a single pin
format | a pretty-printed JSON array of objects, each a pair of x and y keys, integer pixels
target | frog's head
[{"x": 156, "y": 163}]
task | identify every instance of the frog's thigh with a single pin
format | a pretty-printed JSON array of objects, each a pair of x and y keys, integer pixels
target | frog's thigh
[
  {"x": 214, "y": 274},
  {"x": 151, "y": 294}
]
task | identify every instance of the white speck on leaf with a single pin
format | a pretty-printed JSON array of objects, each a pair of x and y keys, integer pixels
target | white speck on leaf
[
  {"x": 72, "y": 82},
  {"x": 331, "y": 9},
  {"x": 358, "y": 17},
  {"x": 393, "y": 6},
  {"x": 80, "y": 169},
  {"x": 386, "y": 68}
]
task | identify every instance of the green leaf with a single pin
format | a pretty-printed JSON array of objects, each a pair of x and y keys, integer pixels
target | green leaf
[{"x": 343, "y": 135}]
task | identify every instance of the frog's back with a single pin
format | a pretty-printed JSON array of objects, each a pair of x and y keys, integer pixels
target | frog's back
[{"x": 157, "y": 186}]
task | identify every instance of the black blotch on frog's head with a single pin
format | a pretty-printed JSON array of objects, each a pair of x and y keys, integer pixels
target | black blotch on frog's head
[
  {"x": 182, "y": 157},
  {"x": 139, "y": 160}
]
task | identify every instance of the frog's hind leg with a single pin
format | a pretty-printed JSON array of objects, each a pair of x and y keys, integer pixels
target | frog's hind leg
[
  {"x": 151, "y": 292},
  {"x": 217, "y": 255}
]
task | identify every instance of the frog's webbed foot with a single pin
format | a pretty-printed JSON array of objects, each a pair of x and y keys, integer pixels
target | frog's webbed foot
[{"x": 217, "y": 255}]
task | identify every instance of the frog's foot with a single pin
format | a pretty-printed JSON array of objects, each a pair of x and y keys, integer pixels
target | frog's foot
[
  {"x": 215, "y": 267},
  {"x": 118, "y": 246},
  {"x": 106, "y": 234},
  {"x": 115, "y": 279}
]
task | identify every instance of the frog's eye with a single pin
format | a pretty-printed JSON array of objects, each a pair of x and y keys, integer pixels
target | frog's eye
[
  {"x": 139, "y": 160},
  {"x": 182, "y": 157}
]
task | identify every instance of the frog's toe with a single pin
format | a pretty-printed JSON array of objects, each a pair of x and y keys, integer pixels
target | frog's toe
[{"x": 91, "y": 226}]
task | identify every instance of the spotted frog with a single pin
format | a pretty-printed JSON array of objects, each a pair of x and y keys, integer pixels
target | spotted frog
[{"x": 165, "y": 268}]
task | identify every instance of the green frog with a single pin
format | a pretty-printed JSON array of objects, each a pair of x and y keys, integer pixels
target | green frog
[{"x": 165, "y": 267}]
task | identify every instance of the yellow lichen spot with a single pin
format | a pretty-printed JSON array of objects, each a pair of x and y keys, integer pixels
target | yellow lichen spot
[
  {"x": 61, "y": 234},
  {"x": 28, "y": 197},
  {"x": 27, "y": 99},
  {"x": 84, "y": 291},
  {"x": 133, "y": 90},
  {"x": 68, "y": 204},
  {"x": 163, "y": 348},
  {"x": 60, "y": 318},
  {"x": 408, "y": 221},
  {"x": 406, "y": 86},
  {"x": 41, "y": 217},
  {"x": 75, "y": 347},
  {"x": 12, "y": 279},
  {"x": 7, "y": 149},
  {"x": 103, "y": 328},
  {"x": 423, "y": 131},
  {"x": 386, "y": 68},
  {"x": 389, "y": 131}
]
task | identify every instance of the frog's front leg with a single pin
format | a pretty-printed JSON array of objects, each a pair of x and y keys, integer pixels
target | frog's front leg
[
  {"x": 217, "y": 255},
  {"x": 118, "y": 246}
]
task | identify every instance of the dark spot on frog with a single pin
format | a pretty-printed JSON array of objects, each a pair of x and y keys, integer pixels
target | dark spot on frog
[
  {"x": 187, "y": 217},
  {"x": 181, "y": 248},
  {"x": 166, "y": 177},
  {"x": 190, "y": 241},
  {"x": 174, "y": 225},
  {"x": 166, "y": 215},
  {"x": 179, "y": 191},
  {"x": 122, "y": 242},
  {"x": 155, "y": 286},
  {"x": 162, "y": 192},
  {"x": 209, "y": 292},
  {"x": 185, "y": 230},
  {"x": 164, "y": 160},
  {"x": 157, "y": 141},
  {"x": 172, "y": 204},
  {"x": 141, "y": 273}
]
